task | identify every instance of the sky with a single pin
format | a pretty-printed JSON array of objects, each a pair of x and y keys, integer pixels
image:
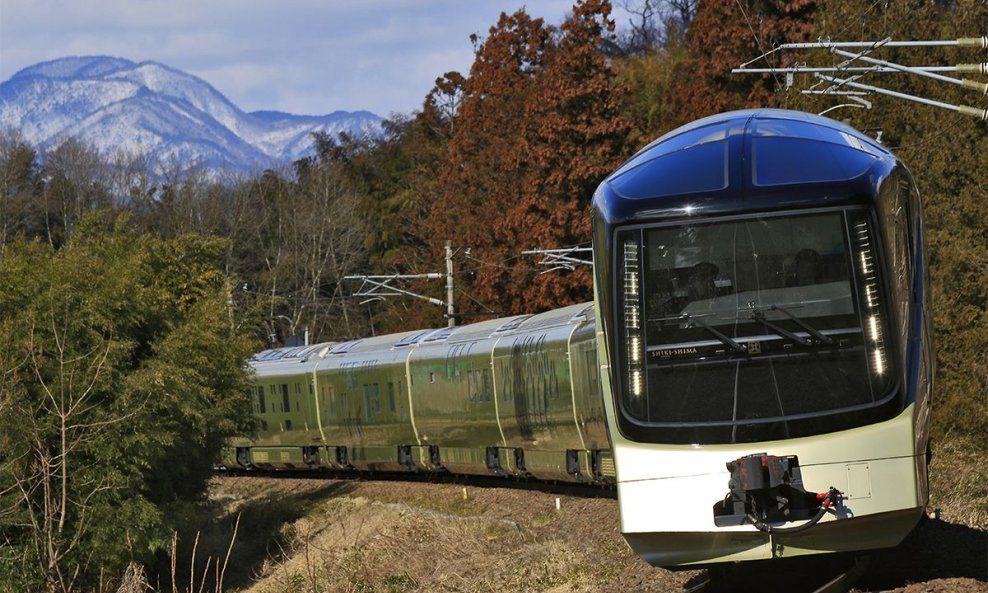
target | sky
[{"x": 299, "y": 56}]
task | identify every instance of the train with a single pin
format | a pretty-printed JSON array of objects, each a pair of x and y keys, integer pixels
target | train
[{"x": 754, "y": 375}]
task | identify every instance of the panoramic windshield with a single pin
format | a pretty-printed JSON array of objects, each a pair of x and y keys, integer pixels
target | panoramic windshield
[{"x": 745, "y": 329}]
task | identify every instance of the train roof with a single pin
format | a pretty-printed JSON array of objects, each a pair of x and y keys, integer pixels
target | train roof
[
  {"x": 289, "y": 353},
  {"x": 285, "y": 361},
  {"x": 276, "y": 362},
  {"x": 754, "y": 159}
]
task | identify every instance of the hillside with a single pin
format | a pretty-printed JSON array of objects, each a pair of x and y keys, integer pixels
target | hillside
[{"x": 330, "y": 535}]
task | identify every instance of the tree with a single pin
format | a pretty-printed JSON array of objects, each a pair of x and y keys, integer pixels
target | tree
[
  {"x": 573, "y": 135},
  {"x": 122, "y": 380},
  {"x": 18, "y": 183},
  {"x": 724, "y": 34},
  {"x": 294, "y": 241},
  {"x": 538, "y": 127},
  {"x": 76, "y": 182}
]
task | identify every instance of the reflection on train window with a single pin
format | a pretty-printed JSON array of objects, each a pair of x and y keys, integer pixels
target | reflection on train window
[
  {"x": 479, "y": 385},
  {"x": 740, "y": 325},
  {"x": 372, "y": 400},
  {"x": 721, "y": 271}
]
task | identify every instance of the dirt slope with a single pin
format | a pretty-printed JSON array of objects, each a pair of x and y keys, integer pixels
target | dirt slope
[{"x": 394, "y": 537}]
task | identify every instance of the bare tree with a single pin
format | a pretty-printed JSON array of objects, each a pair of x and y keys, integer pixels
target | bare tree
[
  {"x": 653, "y": 23},
  {"x": 76, "y": 181},
  {"x": 293, "y": 242}
]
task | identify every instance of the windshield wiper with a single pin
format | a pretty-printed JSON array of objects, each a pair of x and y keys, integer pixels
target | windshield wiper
[
  {"x": 809, "y": 329},
  {"x": 759, "y": 316},
  {"x": 724, "y": 339}
]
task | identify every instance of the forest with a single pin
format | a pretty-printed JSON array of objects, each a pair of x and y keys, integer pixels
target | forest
[{"x": 130, "y": 297}]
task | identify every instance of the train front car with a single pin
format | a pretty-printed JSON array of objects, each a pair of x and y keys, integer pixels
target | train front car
[{"x": 761, "y": 293}]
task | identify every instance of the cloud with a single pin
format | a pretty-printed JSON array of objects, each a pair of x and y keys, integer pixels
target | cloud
[{"x": 303, "y": 56}]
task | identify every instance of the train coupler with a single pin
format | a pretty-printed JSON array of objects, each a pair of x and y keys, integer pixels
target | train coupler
[{"x": 766, "y": 489}]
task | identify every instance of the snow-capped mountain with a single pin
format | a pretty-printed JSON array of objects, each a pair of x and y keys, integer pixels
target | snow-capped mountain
[{"x": 119, "y": 105}]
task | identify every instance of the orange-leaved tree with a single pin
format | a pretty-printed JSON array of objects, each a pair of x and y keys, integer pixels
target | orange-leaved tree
[
  {"x": 538, "y": 128},
  {"x": 725, "y": 34}
]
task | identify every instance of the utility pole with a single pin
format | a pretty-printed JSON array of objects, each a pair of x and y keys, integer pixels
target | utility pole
[
  {"x": 377, "y": 288},
  {"x": 450, "y": 308}
]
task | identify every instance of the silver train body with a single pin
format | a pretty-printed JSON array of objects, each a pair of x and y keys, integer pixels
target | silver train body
[
  {"x": 754, "y": 373},
  {"x": 515, "y": 397}
]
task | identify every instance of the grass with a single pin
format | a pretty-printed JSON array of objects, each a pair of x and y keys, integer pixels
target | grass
[
  {"x": 312, "y": 536},
  {"x": 400, "y": 538},
  {"x": 959, "y": 482}
]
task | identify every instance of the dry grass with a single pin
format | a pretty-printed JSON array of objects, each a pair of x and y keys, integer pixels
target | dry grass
[
  {"x": 959, "y": 482},
  {"x": 323, "y": 536},
  {"x": 398, "y": 538},
  {"x": 371, "y": 546}
]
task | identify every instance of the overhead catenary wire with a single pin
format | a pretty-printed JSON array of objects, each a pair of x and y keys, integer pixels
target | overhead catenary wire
[
  {"x": 977, "y": 112},
  {"x": 803, "y": 69},
  {"x": 838, "y": 84},
  {"x": 969, "y": 84}
]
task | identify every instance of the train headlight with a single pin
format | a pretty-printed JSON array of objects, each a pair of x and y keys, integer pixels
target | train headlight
[
  {"x": 632, "y": 318},
  {"x": 869, "y": 280}
]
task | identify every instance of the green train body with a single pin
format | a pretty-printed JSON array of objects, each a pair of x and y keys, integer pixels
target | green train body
[{"x": 511, "y": 397}]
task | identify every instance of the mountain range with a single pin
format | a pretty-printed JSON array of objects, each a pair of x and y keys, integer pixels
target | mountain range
[{"x": 116, "y": 105}]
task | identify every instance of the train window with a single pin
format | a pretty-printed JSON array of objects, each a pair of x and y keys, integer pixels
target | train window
[
  {"x": 391, "y": 396},
  {"x": 349, "y": 370},
  {"x": 288, "y": 424},
  {"x": 591, "y": 364},
  {"x": 684, "y": 141},
  {"x": 260, "y": 399},
  {"x": 296, "y": 406},
  {"x": 487, "y": 391},
  {"x": 700, "y": 168},
  {"x": 751, "y": 329},
  {"x": 372, "y": 400},
  {"x": 782, "y": 161},
  {"x": 472, "y": 386},
  {"x": 286, "y": 406}
]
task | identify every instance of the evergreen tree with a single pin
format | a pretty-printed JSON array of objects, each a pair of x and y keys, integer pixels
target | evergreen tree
[{"x": 122, "y": 379}]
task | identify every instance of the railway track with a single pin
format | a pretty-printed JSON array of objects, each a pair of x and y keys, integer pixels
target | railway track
[{"x": 562, "y": 488}]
